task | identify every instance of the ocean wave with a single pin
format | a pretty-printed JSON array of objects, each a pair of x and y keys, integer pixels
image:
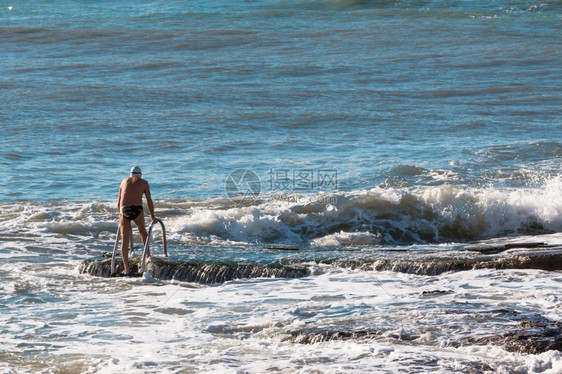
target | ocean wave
[
  {"x": 380, "y": 216},
  {"x": 436, "y": 214}
]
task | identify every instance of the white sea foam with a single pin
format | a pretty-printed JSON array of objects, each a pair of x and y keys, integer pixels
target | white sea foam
[
  {"x": 385, "y": 216},
  {"x": 247, "y": 325},
  {"x": 347, "y": 238},
  {"x": 434, "y": 214},
  {"x": 141, "y": 325}
]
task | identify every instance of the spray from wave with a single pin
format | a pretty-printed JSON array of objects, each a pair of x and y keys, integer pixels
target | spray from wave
[{"x": 378, "y": 216}]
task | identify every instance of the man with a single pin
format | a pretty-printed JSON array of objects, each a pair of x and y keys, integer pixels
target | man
[{"x": 129, "y": 205}]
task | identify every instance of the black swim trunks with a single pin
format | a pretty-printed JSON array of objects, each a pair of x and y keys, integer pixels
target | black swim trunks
[{"x": 131, "y": 211}]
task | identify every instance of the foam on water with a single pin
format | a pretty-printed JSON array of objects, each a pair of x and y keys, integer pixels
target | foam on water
[
  {"x": 335, "y": 319},
  {"x": 54, "y": 316},
  {"x": 407, "y": 215}
]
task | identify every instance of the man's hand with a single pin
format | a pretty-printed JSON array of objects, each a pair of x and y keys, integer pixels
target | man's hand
[{"x": 154, "y": 219}]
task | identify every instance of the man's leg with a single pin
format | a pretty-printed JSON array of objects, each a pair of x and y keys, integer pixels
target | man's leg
[
  {"x": 125, "y": 226},
  {"x": 139, "y": 221}
]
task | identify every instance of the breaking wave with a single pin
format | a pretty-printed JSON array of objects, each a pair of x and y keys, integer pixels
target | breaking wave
[{"x": 380, "y": 216}]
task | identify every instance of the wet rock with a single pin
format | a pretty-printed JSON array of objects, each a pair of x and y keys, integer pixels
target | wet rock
[
  {"x": 550, "y": 261},
  {"x": 102, "y": 268},
  {"x": 547, "y": 261},
  {"x": 324, "y": 334},
  {"x": 436, "y": 293},
  {"x": 533, "y": 336},
  {"x": 220, "y": 273},
  {"x": 198, "y": 273}
]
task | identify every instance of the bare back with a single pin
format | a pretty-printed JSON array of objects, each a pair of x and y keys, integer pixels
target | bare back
[{"x": 131, "y": 191}]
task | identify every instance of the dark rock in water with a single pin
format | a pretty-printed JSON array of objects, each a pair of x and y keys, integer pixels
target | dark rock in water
[
  {"x": 282, "y": 248},
  {"x": 533, "y": 335},
  {"x": 543, "y": 261},
  {"x": 312, "y": 335},
  {"x": 102, "y": 268},
  {"x": 525, "y": 245},
  {"x": 423, "y": 267},
  {"x": 536, "y": 335},
  {"x": 317, "y": 334},
  {"x": 436, "y": 293},
  {"x": 219, "y": 273},
  {"x": 198, "y": 273},
  {"x": 208, "y": 273}
]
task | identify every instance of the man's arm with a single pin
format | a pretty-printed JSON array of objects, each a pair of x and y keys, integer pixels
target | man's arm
[
  {"x": 119, "y": 198},
  {"x": 149, "y": 203}
]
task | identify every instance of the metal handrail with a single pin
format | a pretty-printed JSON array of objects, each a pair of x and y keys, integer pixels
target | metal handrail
[{"x": 165, "y": 245}]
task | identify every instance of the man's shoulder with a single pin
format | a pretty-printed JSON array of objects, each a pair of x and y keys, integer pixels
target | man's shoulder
[
  {"x": 139, "y": 181},
  {"x": 134, "y": 181},
  {"x": 129, "y": 180}
]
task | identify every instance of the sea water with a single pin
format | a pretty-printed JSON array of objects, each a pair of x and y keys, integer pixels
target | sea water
[{"x": 325, "y": 135}]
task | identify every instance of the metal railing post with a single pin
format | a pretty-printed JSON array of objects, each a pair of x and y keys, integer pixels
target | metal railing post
[
  {"x": 118, "y": 237},
  {"x": 165, "y": 244}
]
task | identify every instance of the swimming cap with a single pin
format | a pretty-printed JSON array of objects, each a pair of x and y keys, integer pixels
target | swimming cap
[{"x": 136, "y": 171}]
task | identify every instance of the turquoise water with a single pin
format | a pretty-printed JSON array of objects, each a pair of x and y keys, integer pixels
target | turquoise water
[
  {"x": 193, "y": 91},
  {"x": 353, "y": 131}
]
